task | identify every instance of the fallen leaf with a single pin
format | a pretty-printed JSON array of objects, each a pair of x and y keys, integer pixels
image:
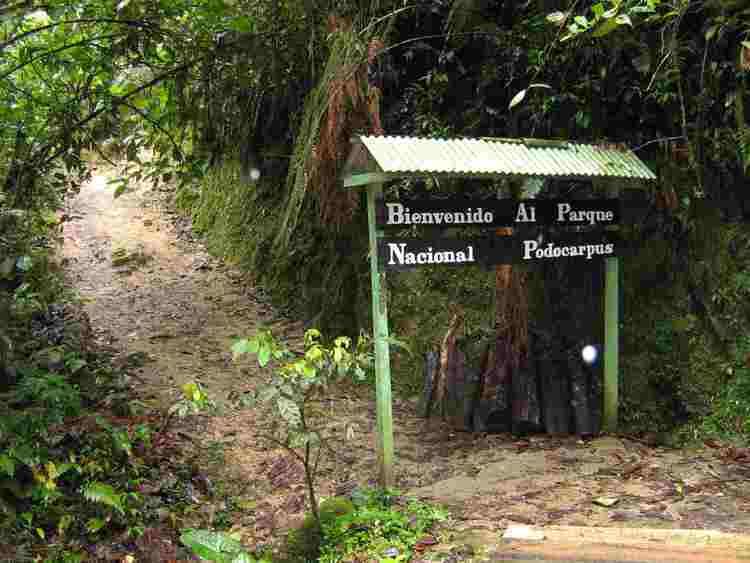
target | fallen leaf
[
  {"x": 606, "y": 501},
  {"x": 633, "y": 468}
]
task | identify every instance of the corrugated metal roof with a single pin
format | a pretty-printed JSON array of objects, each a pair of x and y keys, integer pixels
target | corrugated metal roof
[{"x": 492, "y": 157}]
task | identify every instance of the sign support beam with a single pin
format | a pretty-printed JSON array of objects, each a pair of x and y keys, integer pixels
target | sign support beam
[
  {"x": 382, "y": 351},
  {"x": 611, "y": 338}
]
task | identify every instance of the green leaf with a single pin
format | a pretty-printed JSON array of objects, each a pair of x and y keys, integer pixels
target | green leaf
[
  {"x": 598, "y": 9},
  {"x": 264, "y": 356},
  {"x": 311, "y": 336},
  {"x": 556, "y": 17},
  {"x": 606, "y": 27},
  {"x": 190, "y": 390},
  {"x": 243, "y": 24},
  {"x": 289, "y": 411},
  {"x": 6, "y": 267},
  {"x": 624, "y": 19},
  {"x": 95, "y": 524},
  {"x": 24, "y": 263},
  {"x": 77, "y": 365},
  {"x": 267, "y": 393},
  {"x": 400, "y": 344},
  {"x": 64, "y": 523},
  {"x": 7, "y": 465},
  {"x": 120, "y": 190},
  {"x": 338, "y": 355},
  {"x": 241, "y": 347},
  {"x": 343, "y": 341},
  {"x": 517, "y": 99},
  {"x": 314, "y": 354},
  {"x": 103, "y": 493},
  {"x": 50, "y": 218},
  {"x": 209, "y": 545},
  {"x": 582, "y": 21}
]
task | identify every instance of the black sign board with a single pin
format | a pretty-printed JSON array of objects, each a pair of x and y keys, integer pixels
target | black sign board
[
  {"x": 498, "y": 212},
  {"x": 405, "y": 253}
]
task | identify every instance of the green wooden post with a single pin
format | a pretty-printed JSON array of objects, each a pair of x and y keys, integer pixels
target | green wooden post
[
  {"x": 611, "y": 338},
  {"x": 382, "y": 353}
]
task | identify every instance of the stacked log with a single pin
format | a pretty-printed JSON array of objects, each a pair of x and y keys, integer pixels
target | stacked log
[{"x": 552, "y": 390}]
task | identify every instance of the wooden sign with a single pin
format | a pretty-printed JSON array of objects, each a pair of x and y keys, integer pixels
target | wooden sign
[
  {"x": 498, "y": 212},
  {"x": 405, "y": 253}
]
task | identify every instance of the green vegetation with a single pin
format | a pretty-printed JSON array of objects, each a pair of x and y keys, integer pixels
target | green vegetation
[
  {"x": 383, "y": 526},
  {"x": 202, "y": 97},
  {"x": 376, "y": 525}
]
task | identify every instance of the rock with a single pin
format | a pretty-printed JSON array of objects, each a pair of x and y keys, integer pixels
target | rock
[{"x": 524, "y": 533}]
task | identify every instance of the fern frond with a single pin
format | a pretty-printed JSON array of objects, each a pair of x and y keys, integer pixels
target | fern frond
[{"x": 103, "y": 493}]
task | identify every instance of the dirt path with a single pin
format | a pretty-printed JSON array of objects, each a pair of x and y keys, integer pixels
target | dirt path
[{"x": 179, "y": 310}]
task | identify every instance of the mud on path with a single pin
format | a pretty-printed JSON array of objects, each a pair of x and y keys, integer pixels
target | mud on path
[{"x": 179, "y": 310}]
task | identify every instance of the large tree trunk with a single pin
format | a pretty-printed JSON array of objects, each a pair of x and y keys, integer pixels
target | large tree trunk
[{"x": 508, "y": 397}]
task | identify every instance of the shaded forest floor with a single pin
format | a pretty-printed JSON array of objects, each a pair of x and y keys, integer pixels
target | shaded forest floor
[{"x": 169, "y": 313}]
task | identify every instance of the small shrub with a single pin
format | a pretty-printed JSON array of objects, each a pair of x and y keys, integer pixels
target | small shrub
[
  {"x": 303, "y": 543},
  {"x": 296, "y": 380},
  {"x": 383, "y": 526}
]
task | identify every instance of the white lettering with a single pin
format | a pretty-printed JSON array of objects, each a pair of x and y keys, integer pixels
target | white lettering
[
  {"x": 529, "y": 246},
  {"x": 395, "y": 213},
  {"x": 521, "y": 215},
  {"x": 397, "y": 252},
  {"x": 562, "y": 209}
]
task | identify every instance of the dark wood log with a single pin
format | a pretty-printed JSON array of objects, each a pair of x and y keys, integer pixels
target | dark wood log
[
  {"x": 430, "y": 372},
  {"x": 525, "y": 416},
  {"x": 456, "y": 389},
  {"x": 446, "y": 349},
  {"x": 470, "y": 398},
  {"x": 493, "y": 410},
  {"x": 553, "y": 384},
  {"x": 579, "y": 393}
]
